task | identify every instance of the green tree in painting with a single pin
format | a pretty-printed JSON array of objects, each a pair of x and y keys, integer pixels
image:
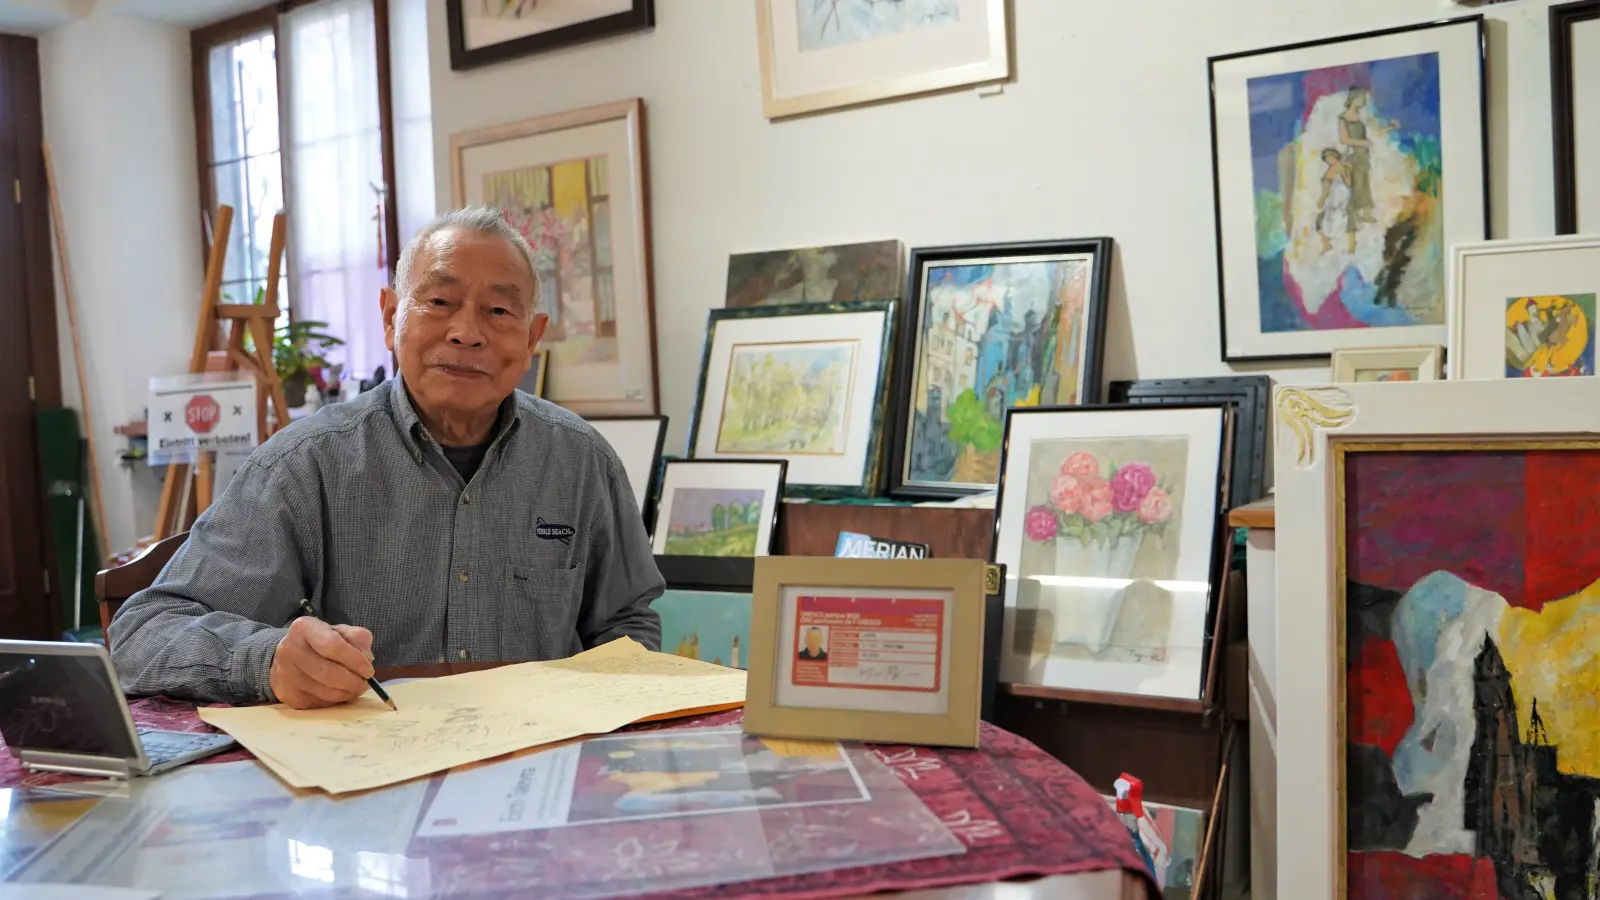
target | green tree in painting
[
  {"x": 719, "y": 517},
  {"x": 970, "y": 423}
]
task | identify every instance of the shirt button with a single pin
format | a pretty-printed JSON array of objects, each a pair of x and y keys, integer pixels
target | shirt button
[
  {"x": 465, "y": 500},
  {"x": 463, "y": 577},
  {"x": 464, "y": 654}
]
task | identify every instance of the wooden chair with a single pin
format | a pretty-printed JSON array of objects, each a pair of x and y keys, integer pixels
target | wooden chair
[{"x": 114, "y": 586}]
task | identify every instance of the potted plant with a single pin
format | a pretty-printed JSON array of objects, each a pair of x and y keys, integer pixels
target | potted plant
[{"x": 297, "y": 348}]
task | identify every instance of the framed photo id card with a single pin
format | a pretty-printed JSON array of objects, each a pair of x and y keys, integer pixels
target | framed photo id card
[{"x": 867, "y": 650}]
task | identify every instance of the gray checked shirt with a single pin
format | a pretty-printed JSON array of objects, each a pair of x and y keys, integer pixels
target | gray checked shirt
[{"x": 542, "y": 555}]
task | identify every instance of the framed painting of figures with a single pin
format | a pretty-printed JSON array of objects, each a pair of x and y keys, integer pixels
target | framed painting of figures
[
  {"x": 986, "y": 328},
  {"x": 1441, "y": 741},
  {"x": 1575, "y": 70},
  {"x": 574, "y": 184},
  {"x": 491, "y": 31},
  {"x": 1344, "y": 170}
]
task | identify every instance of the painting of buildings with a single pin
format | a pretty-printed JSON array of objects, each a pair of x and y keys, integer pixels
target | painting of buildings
[
  {"x": 713, "y": 521},
  {"x": 564, "y": 211},
  {"x": 993, "y": 335},
  {"x": 838, "y": 274},
  {"x": 788, "y": 399},
  {"x": 1471, "y": 732},
  {"x": 711, "y": 626}
]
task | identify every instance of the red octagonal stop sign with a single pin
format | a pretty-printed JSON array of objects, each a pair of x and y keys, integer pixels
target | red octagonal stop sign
[{"x": 202, "y": 413}]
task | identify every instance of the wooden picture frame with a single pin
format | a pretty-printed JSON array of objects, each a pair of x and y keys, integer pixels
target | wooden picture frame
[
  {"x": 1321, "y": 241},
  {"x": 638, "y": 441},
  {"x": 1576, "y": 137},
  {"x": 606, "y": 20},
  {"x": 781, "y": 586},
  {"x": 805, "y": 68},
  {"x": 955, "y": 333},
  {"x": 854, "y": 342},
  {"x": 727, "y": 480},
  {"x": 1503, "y": 293},
  {"x": 1251, "y": 398},
  {"x": 596, "y": 293},
  {"x": 533, "y": 380},
  {"x": 1388, "y": 364},
  {"x": 1325, "y": 433}
]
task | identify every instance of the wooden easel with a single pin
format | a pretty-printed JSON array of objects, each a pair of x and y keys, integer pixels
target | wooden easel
[{"x": 181, "y": 505}]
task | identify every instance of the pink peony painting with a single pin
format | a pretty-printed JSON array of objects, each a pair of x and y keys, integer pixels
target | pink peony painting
[{"x": 1100, "y": 496}]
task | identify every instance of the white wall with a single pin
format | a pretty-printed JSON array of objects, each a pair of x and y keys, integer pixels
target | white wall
[
  {"x": 119, "y": 117},
  {"x": 1104, "y": 131}
]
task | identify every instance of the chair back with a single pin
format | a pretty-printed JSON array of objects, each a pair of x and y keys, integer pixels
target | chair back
[{"x": 115, "y": 585}]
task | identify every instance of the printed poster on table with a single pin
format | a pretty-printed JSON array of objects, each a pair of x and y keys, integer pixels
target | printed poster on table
[{"x": 865, "y": 649}]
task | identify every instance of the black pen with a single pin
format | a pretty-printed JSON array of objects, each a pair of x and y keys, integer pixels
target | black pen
[{"x": 306, "y": 610}]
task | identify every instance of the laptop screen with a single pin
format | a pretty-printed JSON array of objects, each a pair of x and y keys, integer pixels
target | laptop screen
[{"x": 67, "y": 704}]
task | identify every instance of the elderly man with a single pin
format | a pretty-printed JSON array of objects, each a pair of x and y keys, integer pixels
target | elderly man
[{"x": 442, "y": 516}]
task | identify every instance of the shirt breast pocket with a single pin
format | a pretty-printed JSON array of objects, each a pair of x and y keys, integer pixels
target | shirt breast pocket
[{"x": 541, "y": 612}]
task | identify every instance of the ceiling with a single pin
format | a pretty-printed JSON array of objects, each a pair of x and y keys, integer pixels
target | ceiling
[{"x": 38, "y": 16}]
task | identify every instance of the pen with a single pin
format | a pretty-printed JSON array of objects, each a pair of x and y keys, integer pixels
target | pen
[{"x": 306, "y": 610}]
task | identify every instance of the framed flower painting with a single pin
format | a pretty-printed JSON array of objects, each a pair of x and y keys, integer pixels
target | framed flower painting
[
  {"x": 1107, "y": 523},
  {"x": 1344, "y": 169}
]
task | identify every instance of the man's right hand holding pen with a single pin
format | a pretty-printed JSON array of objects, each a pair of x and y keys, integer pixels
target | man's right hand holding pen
[{"x": 317, "y": 664}]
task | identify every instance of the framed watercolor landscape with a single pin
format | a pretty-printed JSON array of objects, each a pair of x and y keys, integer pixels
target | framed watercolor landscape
[
  {"x": 719, "y": 507},
  {"x": 1344, "y": 169},
  {"x": 800, "y": 382},
  {"x": 1107, "y": 523},
  {"x": 986, "y": 328},
  {"x": 1442, "y": 738}
]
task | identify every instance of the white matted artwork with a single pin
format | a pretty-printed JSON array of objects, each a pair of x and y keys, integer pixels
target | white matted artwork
[
  {"x": 1106, "y": 523},
  {"x": 822, "y": 54},
  {"x": 1388, "y": 364},
  {"x": 1524, "y": 309},
  {"x": 637, "y": 440},
  {"x": 718, "y": 507},
  {"x": 801, "y": 382}
]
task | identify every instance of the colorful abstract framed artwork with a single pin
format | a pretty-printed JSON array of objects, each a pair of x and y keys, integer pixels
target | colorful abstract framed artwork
[
  {"x": 825, "y": 54},
  {"x": 491, "y": 31},
  {"x": 1250, "y": 399},
  {"x": 1388, "y": 364},
  {"x": 533, "y": 380},
  {"x": 1575, "y": 87},
  {"x": 880, "y": 650},
  {"x": 725, "y": 507},
  {"x": 1343, "y": 170},
  {"x": 842, "y": 273},
  {"x": 1436, "y": 734},
  {"x": 801, "y": 382},
  {"x": 986, "y": 328},
  {"x": 1524, "y": 309},
  {"x": 1108, "y": 524},
  {"x": 637, "y": 441},
  {"x": 575, "y": 185},
  {"x": 705, "y": 609}
]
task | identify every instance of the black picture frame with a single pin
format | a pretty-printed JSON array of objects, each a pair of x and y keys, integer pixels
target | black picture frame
[
  {"x": 730, "y": 574},
  {"x": 1251, "y": 399},
  {"x": 872, "y": 466},
  {"x": 908, "y": 353},
  {"x": 640, "y": 17},
  {"x": 1563, "y": 113},
  {"x": 1216, "y": 177},
  {"x": 658, "y": 502},
  {"x": 653, "y": 487}
]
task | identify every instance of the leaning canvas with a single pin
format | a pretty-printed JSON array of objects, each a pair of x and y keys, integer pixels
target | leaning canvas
[
  {"x": 711, "y": 626},
  {"x": 842, "y": 273}
]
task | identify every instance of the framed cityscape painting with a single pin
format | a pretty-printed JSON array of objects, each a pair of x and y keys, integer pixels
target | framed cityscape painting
[
  {"x": 1524, "y": 309},
  {"x": 802, "y": 382},
  {"x": 1108, "y": 524},
  {"x": 574, "y": 184},
  {"x": 720, "y": 508},
  {"x": 986, "y": 328},
  {"x": 1344, "y": 170},
  {"x": 491, "y": 31},
  {"x": 1575, "y": 91}
]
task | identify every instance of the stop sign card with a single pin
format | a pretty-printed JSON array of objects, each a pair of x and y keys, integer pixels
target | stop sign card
[{"x": 190, "y": 414}]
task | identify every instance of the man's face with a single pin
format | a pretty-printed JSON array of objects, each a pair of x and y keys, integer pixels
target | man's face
[
  {"x": 464, "y": 336},
  {"x": 813, "y": 642}
]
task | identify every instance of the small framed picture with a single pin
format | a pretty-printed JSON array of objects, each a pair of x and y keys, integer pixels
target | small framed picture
[
  {"x": 491, "y": 31},
  {"x": 719, "y": 507},
  {"x": 637, "y": 440},
  {"x": 1423, "y": 363},
  {"x": 705, "y": 608},
  {"x": 533, "y": 380},
  {"x": 867, "y": 650},
  {"x": 1574, "y": 49},
  {"x": 802, "y": 382},
  {"x": 1524, "y": 309}
]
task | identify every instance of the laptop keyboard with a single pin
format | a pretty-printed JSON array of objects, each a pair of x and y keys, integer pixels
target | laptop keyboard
[{"x": 164, "y": 746}]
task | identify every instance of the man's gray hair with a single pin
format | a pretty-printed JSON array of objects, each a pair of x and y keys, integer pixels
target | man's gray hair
[{"x": 480, "y": 219}]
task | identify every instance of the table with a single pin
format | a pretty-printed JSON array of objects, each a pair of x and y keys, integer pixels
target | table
[{"x": 1019, "y": 811}]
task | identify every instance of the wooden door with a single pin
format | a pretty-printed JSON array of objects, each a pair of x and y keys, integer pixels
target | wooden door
[{"x": 30, "y": 376}]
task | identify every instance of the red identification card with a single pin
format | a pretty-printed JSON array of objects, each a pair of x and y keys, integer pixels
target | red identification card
[{"x": 869, "y": 643}]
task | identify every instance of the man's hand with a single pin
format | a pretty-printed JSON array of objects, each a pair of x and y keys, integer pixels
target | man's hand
[{"x": 317, "y": 664}]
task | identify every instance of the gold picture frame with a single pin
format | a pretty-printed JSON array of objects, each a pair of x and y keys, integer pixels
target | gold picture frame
[
  {"x": 559, "y": 178},
  {"x": 896, "y": 62},
  {"x": 777, "y": 654}
]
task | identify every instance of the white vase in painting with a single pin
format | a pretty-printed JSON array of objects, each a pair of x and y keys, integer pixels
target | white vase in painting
[{"x": 1086, "y": 614}]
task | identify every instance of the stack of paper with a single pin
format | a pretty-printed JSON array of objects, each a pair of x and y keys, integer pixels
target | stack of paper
[{"x": 446, "y": 722}]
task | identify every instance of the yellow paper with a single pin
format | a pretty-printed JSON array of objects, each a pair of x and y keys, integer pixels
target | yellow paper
[
  {"x": 797, "y": 748},
  {"x": 446, "y": 722}
]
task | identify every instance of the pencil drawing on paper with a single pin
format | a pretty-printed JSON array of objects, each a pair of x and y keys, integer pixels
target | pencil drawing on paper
[{"x": 788, "y": 398}]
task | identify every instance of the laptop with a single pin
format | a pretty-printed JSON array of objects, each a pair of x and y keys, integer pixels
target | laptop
[{"x": 62, "y": 710}]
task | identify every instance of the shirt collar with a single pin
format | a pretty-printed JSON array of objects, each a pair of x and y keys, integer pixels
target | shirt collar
[{"x": 416, "y": 434}]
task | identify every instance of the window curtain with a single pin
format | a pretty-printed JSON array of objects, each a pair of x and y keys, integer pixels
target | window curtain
[{"x": 335, "y": 173}]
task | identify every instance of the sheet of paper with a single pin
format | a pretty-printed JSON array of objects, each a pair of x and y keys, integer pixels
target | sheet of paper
[
  {"x": 447, "y": 722},
  {"x": 517, "y": 795}
]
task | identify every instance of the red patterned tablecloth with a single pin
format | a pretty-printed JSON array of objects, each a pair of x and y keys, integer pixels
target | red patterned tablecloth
[{"x": 1019, "y": 811}]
